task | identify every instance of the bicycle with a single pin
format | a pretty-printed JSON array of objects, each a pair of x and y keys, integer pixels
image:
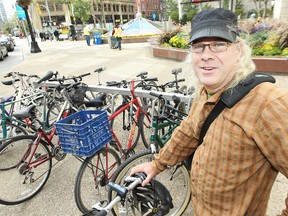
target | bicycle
[
  {"x": 29, "y": 157},
  {"x": 91, "y": 178},
  {"x": 176, "y": 178},
  {"x": 12, "y": 118}
]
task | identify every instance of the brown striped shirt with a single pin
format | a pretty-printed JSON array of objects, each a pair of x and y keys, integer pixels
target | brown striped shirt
[{"x": 234, "y": 169}]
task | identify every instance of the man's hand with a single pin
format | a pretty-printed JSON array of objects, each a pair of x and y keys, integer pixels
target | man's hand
[{"x": 146, "y": 168}]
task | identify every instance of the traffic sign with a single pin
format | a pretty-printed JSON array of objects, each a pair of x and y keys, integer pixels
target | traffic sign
[{"x": 20, "y": 12}]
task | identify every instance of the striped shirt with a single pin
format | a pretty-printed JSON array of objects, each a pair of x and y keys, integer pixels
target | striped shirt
[{"x": 244, "y": 149}]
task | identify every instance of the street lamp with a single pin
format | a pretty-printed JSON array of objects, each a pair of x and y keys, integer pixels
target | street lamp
[{"x": 50, "y": 20}]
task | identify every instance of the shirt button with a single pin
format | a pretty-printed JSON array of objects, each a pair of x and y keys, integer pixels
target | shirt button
[
  {"x": 197, "y": 163},
  {"x": 193, "y": 180}
]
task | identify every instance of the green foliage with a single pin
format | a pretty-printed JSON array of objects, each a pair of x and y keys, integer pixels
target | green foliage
[
  {"x": 180, "y": 40},
  {"x": 82, "y": 10},
  {"x": 285, "y": 52},
  {"x": 23, "y": 3},
  {"x": 166, "y": 36}
]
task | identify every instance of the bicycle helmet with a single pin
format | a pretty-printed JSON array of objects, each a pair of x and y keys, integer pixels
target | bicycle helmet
[{"x": 153, "y": 199}]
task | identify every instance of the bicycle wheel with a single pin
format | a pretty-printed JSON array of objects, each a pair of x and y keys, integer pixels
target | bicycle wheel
[
  {"x": 12, "y": 130},
  {"x": 122, "y": 125},
  {"x": 20, "y": 179},
  {"x": 176, "y": 179},
  {"x": 53, "y": 112},
  {"x": 145, "y": 127},
  {"x": 93, "y": 177}
]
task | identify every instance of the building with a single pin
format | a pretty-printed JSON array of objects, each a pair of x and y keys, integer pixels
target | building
[
  {"x": 48, "y": 12},
  {"x": 3, "y": 15}
]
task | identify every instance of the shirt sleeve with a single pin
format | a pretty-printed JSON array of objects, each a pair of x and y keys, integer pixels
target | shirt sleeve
[
  {"x": 181, "y": 145},
  {"x": 271, "y": 135}
]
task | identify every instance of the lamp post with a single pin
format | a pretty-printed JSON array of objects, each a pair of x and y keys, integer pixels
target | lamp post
[{"x": 49, "y": 15}]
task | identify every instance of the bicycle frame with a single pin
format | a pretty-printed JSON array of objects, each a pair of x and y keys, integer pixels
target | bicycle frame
[
  {"x": 135, "y": 101},
  {"x": 163, "y": 139}
]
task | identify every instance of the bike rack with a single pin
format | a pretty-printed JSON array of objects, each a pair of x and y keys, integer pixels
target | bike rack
[{"x": 138, "y": 93}]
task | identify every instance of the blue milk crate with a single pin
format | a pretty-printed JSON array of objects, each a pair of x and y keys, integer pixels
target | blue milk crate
[{"x": 84, "y": 133}]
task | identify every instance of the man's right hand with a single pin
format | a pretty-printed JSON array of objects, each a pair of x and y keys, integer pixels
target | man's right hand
[{"x": 146, "y": 168}]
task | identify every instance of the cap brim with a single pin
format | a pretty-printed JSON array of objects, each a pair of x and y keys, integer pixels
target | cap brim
[{"x": 212, "y": 32}]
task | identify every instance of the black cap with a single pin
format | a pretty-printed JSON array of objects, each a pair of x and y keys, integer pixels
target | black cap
[{"x": 217, "y": 22}]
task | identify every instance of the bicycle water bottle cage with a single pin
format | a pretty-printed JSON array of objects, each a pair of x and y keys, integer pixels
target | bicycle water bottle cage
[{"x": 153, "y": 199}]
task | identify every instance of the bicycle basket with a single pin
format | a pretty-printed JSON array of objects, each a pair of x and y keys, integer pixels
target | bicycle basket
[
  {"x": 77, "y": 94},
  {"x": 84, "y": 132}
]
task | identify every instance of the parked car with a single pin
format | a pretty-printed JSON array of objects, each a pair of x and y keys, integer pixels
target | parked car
[
  {"x": 11, "y": 39},
  {"x": 7, "y": 42},
  {"x": 3, "y": 52}
]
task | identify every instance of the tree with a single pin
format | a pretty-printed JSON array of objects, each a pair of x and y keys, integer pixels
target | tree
[
  {"x": 82, "y": 9},
  {"x": 239, "y": 8}
]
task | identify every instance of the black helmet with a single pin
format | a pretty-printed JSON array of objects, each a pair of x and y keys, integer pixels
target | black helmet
[{"x": 153, "y": 199}]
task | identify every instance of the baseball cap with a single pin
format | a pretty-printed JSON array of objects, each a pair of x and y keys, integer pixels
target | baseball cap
[{"x": 219, "y": 22}]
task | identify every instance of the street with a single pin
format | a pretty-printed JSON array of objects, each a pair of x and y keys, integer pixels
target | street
[{"x": 74, "y": 58}]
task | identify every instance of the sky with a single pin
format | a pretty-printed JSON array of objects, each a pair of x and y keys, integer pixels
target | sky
[{"x": 9, "y": 8}]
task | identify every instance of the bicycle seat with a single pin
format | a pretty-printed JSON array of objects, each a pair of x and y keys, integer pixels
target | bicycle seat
[
  {"x": 97, "y": 102},
  {"x": 24, "y": 113}
]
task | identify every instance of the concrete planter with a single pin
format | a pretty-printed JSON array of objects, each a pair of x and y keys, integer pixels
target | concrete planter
[
  {"x": 175, "y": 54},
  {"x": 263, "y": 64},
  {"x": 271, "y": 64}
]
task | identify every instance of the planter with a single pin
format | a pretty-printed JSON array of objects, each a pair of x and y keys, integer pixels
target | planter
[
  {"x": 271, "y": 64},
  {"x": 175, "y": 54},
  {"x": 263, "y": 64}
]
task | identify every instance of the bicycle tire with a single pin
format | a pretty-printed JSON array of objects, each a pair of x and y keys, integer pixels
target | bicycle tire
[
  {"x": 145, "y": 127},
  {"x": 53, "y": 112},
  {"x": 123, "y": 131},
  {"x": 90, "y": 189},
  {"x": 15, "y": 189},
  {"x": 12, "y": 130},
  {"x": 178, "y": 186}
]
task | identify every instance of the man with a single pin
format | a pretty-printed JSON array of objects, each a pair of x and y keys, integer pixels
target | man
[
  {"x": 86, "y": 32},
  {"x": 117, "y": 33},
  {"x": 245, "y": 147}
]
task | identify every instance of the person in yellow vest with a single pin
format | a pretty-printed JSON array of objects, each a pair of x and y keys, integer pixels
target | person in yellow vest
[
  {"x": 117, "y": 33},
  {"x": 86, "y": 32}
]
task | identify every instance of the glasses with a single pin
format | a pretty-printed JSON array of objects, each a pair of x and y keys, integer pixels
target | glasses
[{"x": 215, "y": 46}]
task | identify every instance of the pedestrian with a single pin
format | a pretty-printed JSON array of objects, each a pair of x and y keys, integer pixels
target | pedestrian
[
  {"x": 236, "y": 164},
  {"x": 117, "y": 33},
  {"x": 41, "y": 34},
  {"x": 56, "y": 34},
  {"x": 87, "y": 32}
]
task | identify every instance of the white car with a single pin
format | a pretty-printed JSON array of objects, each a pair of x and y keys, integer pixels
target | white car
[{"x": 3, "y": 52}]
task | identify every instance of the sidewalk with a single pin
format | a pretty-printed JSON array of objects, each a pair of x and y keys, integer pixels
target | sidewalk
[{"x": 74, "y": 58}]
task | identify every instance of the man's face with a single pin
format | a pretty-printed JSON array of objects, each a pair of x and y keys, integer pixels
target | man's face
[{"x": 215, "y": 69}]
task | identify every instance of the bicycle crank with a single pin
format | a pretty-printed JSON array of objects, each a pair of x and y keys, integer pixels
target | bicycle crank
[{"x": 58, "y": 153}]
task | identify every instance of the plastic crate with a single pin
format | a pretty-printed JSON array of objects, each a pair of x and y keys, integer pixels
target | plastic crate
[{"x": 84, "y": 132}]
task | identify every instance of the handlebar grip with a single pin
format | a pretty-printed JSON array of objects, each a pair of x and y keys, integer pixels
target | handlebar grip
[
  {"x": 48, "y": 76},
  {"x": 181, "y": 80},
  {"x": 156, "y": 95},
  {"x": 121, "y": 191},
  {"x": 87, "y": 74},
  {"x": 102, "y": 213},
  {"x": 176, "y": 99},
  {"x": 151, "y": 79},
  {"x": 98, "y": 70}
]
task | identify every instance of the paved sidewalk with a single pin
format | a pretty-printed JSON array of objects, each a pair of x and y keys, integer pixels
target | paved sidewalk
[{"x": 74, "y": 58}]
